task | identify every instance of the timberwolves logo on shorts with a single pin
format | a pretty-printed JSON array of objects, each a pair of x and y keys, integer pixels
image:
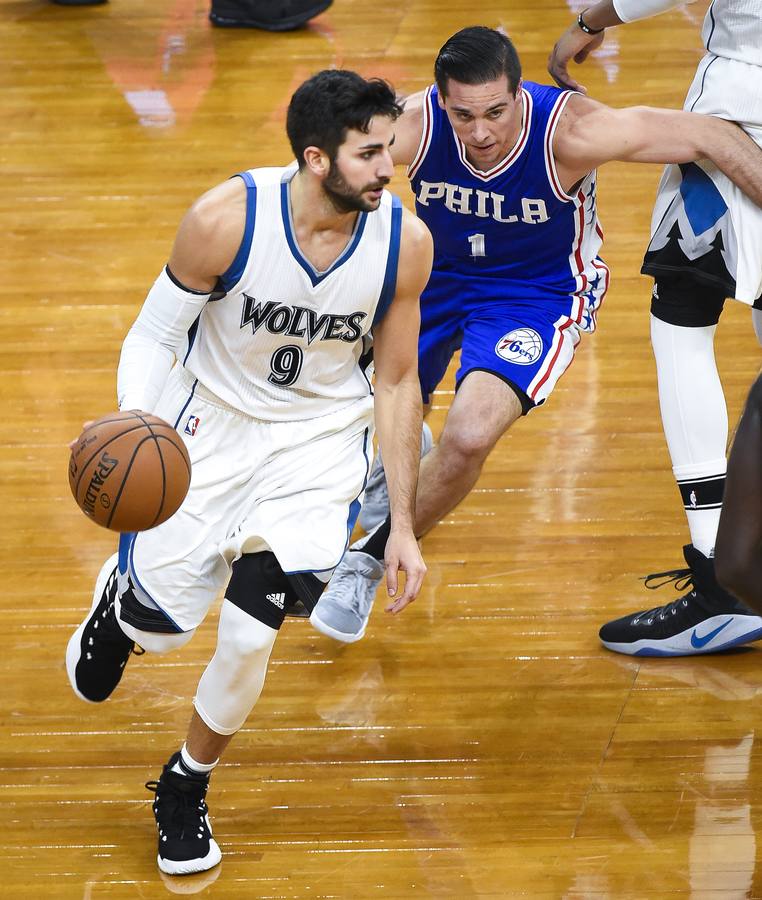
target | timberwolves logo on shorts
[{"x": 522, "y": 346}]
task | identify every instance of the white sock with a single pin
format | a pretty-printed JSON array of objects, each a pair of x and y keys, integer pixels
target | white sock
[
  {"x": 187, "y": 765},
  {"x": 695, "y": 420}
]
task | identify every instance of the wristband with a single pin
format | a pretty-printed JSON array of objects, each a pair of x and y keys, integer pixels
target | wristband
[{"x": 585, "y": 27}]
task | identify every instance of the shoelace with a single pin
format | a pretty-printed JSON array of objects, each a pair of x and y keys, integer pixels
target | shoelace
[
  {"x": 348, "y": 576},
  {"x": 185, "y": 813},
  {"x": 681, "y": 578}
]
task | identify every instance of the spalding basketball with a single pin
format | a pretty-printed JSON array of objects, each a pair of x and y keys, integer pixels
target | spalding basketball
[{"x": 129, "y": 471}]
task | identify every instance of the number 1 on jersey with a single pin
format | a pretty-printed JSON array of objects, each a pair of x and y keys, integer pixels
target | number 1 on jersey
[{"x": 477, "y": 245}]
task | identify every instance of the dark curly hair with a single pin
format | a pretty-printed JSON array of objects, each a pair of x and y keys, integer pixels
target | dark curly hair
[{"x": 327, "y": 105}]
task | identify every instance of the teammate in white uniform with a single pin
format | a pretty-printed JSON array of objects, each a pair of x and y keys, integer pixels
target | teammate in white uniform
[
  {"x": 253, "y": 342},
  {"x": 706, "y": 245}
]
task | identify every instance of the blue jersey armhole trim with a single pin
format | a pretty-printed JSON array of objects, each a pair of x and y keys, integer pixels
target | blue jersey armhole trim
[
  {"x": 234, "y": 272},
  {"x": 390, "y": 276}
]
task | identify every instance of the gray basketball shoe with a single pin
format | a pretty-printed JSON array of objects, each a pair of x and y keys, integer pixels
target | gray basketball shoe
[
  {"x": 375, "y": 506},
  {"x": 344, "y": 609}
]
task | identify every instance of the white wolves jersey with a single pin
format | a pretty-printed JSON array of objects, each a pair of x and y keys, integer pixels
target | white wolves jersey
[
  {"x": 510, "y": 233},
  {"x": 284, "y": 341},
  {"x": 733, "y": 29}
]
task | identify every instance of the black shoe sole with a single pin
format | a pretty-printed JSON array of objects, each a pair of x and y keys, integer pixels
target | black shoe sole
[{"x": 287, "y": 24}]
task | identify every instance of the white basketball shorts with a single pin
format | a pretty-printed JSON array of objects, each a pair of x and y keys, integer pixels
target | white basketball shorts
[
  {"x": 294, "y": 488},
  {"x": 702, "y": 222}
]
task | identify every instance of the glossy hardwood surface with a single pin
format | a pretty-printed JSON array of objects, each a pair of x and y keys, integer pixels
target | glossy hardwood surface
[{"x": 482, "y": 744}]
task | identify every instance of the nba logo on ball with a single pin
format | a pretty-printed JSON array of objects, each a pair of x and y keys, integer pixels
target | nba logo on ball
[
  {"x": 522, "y": 346},
  {"x": 191, "y": 425}
]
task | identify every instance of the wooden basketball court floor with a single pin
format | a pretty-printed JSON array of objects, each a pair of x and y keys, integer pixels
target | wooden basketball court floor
[{"x": 482, "y": 744}]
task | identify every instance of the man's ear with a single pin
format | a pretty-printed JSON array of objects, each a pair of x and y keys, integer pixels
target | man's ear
[{"x": 317, "y": 161}]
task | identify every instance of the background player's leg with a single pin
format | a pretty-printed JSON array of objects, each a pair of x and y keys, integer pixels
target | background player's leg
[
  {"x": 483, "y": 410},
  {"x": 739, "y": 540},
  {"x": 695, "y": 421}
]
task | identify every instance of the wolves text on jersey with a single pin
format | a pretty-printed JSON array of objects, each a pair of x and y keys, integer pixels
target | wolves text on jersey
[
  {"x": 299, "y": 321},
  {"x": 483, "y": 204}
]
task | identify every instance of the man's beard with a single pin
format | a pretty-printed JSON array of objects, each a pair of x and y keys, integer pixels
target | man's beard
[{"x": 346, "y": 199}]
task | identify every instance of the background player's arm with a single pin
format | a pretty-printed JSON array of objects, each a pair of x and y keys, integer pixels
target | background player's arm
[
  {"x": 407, "y": 130},
  {"x": 590, "y": 134},
  {"x": 577, "y": 44},
  {"x": 206, "y": 243},
  {"x": 398, "y": 406}
]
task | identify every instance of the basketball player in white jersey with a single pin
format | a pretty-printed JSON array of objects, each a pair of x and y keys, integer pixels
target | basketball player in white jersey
[
  {"x": 706, "y": 245},
  {"x": 253, "y": 342},
  {"x": 504, "y": 175}
]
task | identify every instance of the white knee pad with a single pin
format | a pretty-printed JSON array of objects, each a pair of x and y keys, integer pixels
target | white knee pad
[
  {"x": 232, "y": 682},
  {"x": 154, "y": 641}
]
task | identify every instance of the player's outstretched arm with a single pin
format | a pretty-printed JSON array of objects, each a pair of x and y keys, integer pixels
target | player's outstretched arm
[
  {"x": 590, "y": 134},
  {"x": 577, "y": 43},
  {"x": 398, "y": 407},
  {"x": 738, "y": 551},
  {"x": 206, "y": 243}
]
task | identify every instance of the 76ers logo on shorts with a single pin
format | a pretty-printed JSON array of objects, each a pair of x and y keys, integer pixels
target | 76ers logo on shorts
[
  {"x": 191, "y": 425},
  {"x": 522, "y": 346}
]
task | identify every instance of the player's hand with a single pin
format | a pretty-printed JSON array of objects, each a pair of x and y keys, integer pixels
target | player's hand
[
  {"x": 403, "y": 555},
  {"x": 76, "y": 439},
  {"x": 574, "y": 44}
]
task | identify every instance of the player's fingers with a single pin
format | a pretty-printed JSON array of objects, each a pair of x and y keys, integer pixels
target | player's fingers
[
  {"x": 561, "y": 75},
  {"x": 583, "y": 54},
  {"x": 413, "y": 582},
  {"x": 85, "y": 426},
  {"x": 392, "y": 569}
]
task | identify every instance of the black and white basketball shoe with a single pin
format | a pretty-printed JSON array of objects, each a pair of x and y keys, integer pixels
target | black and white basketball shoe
[
  {"x": 705, "y": 620},
  {"x": 98, "y": 650},
  {"x": 186, "y": 844}
]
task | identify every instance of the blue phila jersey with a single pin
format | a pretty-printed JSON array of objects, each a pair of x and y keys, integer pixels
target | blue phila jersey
[{"x": 510, "y": 233}]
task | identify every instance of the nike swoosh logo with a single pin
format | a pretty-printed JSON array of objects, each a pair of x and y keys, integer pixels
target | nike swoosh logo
[{"x": 699, "y": 642}]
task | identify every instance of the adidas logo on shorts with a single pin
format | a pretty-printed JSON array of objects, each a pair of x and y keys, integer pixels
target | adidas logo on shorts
[{"x": 278, "y": 599}]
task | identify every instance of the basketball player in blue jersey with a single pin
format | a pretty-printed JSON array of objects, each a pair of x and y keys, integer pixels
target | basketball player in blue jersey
[
  {"x": 253, "y": 342},
  {"x": 504, "y": 176},
  {"x": 706, "y": 245}
]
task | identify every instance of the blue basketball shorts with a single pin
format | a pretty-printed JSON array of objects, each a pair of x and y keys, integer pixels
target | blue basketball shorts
[{"x": 528, "y": 343}]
